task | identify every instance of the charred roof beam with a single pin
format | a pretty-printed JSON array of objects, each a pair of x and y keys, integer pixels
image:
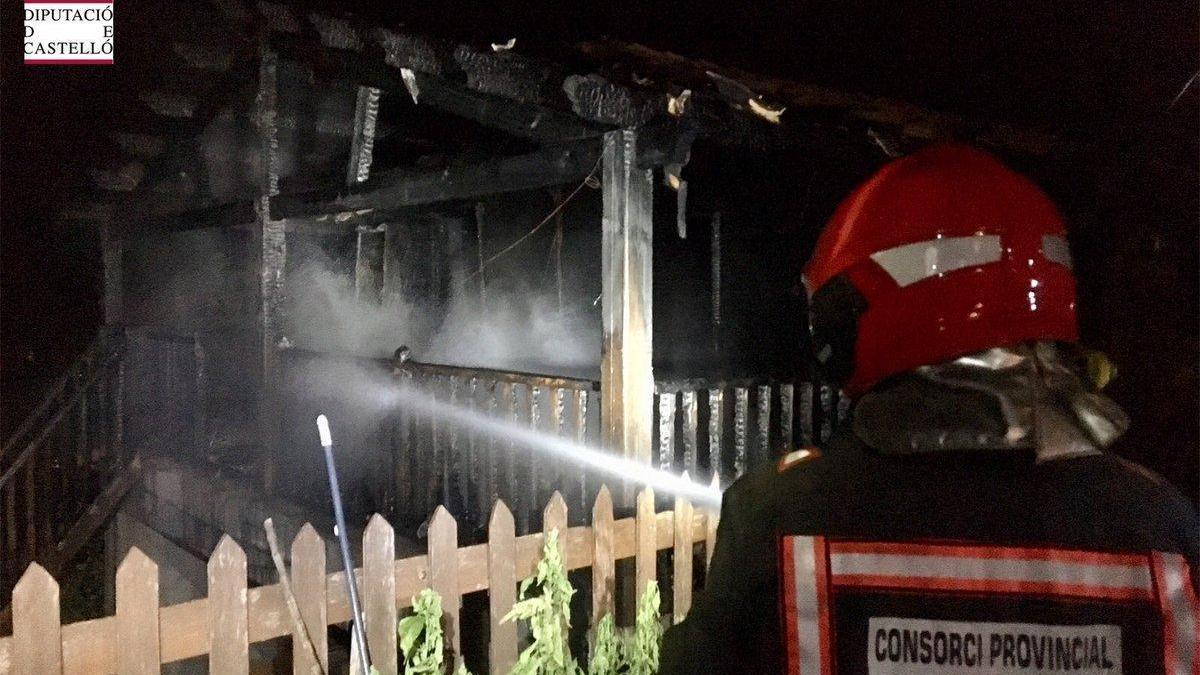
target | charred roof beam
[{"x": 522, "y": 119}]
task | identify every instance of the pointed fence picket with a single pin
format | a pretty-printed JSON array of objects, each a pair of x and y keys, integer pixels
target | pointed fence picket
[
  {"x": 36, "y": 629},
  {"x": 137, "y": 615},
  {"x": 308, "y": 584},
  {"x": 228, "y": 634},
  {"x": 645, "y": 558},
  {"x": 502, "y": 588},
  {"x": 604, "y": 572},
  {"x": 379, "y": 592},
  {"x": 143, "y": 635},
  {"x": 443, "y": 577},
  {"x": 682, "y": 557}
]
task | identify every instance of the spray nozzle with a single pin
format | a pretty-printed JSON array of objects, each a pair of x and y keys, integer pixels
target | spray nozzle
[
  {"x": 401, "y": 356},
  {"x": 323, "y": 430}
]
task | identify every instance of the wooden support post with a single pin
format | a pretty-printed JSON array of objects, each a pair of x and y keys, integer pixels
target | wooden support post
[
  {"x": 272, "y": 242},
  {"x": 626, "y": 376}
]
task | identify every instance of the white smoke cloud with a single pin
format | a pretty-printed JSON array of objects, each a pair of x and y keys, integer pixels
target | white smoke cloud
[{"x": 519, "y": 328}]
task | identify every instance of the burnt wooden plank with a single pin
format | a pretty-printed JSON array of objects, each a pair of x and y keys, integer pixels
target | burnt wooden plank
[
  {"x": 581, "y": 403},
  {"x": 741, "y": 415},
  {"x": 666, "y": 431},
  {"x": 691, "y": 419},
  {"x": 762, "y": 444},
  {"x": 786, "y": 410},
  {"x": 716, "y": 429}
]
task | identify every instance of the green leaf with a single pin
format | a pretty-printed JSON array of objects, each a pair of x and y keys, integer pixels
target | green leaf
[{"x": 421, "y": 638}]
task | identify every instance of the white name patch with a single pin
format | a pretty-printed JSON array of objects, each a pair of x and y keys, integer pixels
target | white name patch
[{"x": 898, "y": 646}]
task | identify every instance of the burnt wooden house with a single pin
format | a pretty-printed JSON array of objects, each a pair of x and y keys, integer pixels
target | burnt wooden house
[{"x": 662, "y": 205}]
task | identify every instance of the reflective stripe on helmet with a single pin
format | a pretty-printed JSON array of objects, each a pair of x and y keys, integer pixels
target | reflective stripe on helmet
[
  {"x": 911, "y": 263},
  {"x": 1055, "y": 248}
]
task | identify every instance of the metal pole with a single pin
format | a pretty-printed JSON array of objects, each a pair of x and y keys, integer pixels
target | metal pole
[{"x": 339, "y": 518}]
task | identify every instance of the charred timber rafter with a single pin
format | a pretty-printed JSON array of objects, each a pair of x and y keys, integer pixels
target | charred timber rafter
[
  {"x": 402, "y": 188},
  {"x": 909, "y": 120},
  {"x": 338, "y": 207},
  {"x": 523, "y": 119}
]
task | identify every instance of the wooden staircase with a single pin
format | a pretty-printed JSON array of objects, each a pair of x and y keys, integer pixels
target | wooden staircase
[{"x": 65, "y": 469}]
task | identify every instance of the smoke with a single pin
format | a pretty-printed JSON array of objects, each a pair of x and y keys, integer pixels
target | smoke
[
  {"x": 517, "y": 331},
  {"x": 520, "y": 326},
  {"x": 325, "y": 314}
]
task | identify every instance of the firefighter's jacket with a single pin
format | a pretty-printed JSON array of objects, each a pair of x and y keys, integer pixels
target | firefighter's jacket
[{"x": 800, "y": 544}]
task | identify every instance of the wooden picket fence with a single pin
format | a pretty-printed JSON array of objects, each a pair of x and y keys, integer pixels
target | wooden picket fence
[{"x": 142, "y": 635}]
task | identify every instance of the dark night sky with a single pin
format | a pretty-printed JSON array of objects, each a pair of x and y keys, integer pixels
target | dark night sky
[{"x": 1101, "y": 71}]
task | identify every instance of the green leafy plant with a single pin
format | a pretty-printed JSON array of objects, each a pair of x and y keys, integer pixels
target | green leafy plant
[
  {"x": 607, "y": 657},
  {"x": 643, "y": 649},
  {"x": 548, "y": 613},
  {"x": 545, "y": 602},
  {"x": 421, "y": 639}
]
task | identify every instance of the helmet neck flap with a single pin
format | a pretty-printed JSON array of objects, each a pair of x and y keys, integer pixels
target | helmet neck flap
[{"x": 1026, "y": 397}]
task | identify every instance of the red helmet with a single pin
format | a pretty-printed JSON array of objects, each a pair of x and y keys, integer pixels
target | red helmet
[{"x": 941, "y": 253}]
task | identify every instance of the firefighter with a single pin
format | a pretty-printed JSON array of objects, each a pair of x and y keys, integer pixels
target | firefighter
[{"x": 970, "y": 515}]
